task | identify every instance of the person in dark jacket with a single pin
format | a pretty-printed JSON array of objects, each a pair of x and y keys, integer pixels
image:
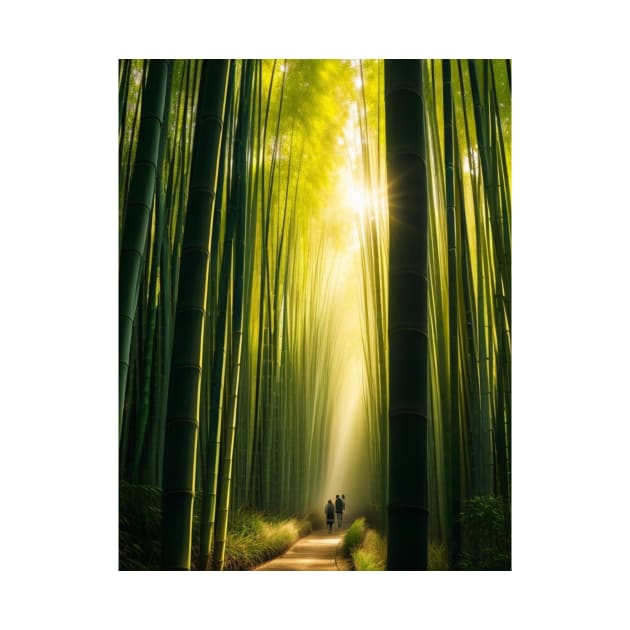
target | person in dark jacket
[
  {"x": 339, "y": 509},
  {"x": 329, "y": 510}
]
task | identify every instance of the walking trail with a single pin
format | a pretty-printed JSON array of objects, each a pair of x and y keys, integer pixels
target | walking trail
[{"x": 319, "y": 551}]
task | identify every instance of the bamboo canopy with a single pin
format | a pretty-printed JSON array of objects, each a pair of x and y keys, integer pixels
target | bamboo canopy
[{"x": 315, "y": 295}]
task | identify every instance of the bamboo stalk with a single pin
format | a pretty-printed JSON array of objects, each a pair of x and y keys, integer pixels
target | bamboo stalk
[
  {"x": 137, "y": 214},
  {"x": 184, "y": 385},
  {"x": 408, "y": 335}
]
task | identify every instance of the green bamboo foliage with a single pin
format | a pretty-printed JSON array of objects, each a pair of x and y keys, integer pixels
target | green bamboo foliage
[
  {"x": 469, "y": 289},
  {"x": 255, "y": 472},
  {"x": 238, "y": 324},
  {"x": 280, "y": 397},
  {"x": 496, "y": 188},
  {"x": 184, "y": 386},
  {"x": 137, "y": 213},
  {"x": 407, "y": 543},
  {"x": 261, "y": 464},
  {"x": 281, "y": 274},
  {"x": 373, "y": 245}
]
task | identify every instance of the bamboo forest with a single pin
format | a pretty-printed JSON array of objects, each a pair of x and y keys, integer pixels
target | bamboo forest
[{"x": 314, "y": 306}]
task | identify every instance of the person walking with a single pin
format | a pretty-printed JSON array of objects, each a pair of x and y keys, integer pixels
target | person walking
[
  {"x": 339, "y": 510},
  {"x": 329, "y": 510}
]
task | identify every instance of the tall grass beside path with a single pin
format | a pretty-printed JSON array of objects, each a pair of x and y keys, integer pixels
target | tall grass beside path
[
  {"x": 368, "y": 549},
  {"x": 365, "y": 546},
  {"x": 253, "y": 538}
]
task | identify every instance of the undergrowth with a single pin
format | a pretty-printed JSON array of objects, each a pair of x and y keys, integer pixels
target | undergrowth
[
  {"x": 486, "y": 535},
  {"x": 372, "y": 554},
  {"x": 365, "y": 546},
  {"x": 252, "y": 538},
  {"x": 354, "y": 536},
  {"x": 368, "y": 549}
]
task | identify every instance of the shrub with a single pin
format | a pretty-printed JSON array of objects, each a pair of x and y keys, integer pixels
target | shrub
[
  {"x": 139, "y": 526},
  {"x": 485, "y": 536}
]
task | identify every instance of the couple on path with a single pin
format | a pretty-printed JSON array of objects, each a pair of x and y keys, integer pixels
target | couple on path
[{"x": 338, "y": 508}]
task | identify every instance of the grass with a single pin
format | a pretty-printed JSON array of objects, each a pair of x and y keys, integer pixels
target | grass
[
  {"x": 252, "y": 538},
  {"x": 368, "y": 549},
  {"x": 354, "y": 536},
  {"x": 365, "y": 546},
  {"x": 372, "y": 554}
]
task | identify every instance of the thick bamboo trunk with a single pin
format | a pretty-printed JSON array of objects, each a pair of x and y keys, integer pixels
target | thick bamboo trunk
[
  {"x": 407, "y": 545},
  {"x": 138, "y": 212},
  {"x": 180, "y": 452},
  {"x": 217, "y": 365}
]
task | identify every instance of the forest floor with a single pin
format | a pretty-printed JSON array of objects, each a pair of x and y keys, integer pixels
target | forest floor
[{"x": 319, "y": 551}]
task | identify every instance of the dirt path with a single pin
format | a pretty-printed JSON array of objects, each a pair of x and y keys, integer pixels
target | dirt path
[{"x": 319, "y": 551}]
